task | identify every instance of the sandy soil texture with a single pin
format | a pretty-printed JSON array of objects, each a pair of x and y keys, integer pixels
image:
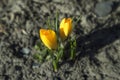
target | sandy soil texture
[{"x": 98, "y": 43}]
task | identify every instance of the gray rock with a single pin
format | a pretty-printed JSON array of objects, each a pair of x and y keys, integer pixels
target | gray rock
[
  {"x": 35, "y": 65},
  {"x": 103, "y": 8},
  {"x": 56, "y": 78},
  {"x": 18, "y": 68},
  {"x": 41, "y": 1},
  {"x": 57, "y": 1},
  {"x": 25, "y": 51}
]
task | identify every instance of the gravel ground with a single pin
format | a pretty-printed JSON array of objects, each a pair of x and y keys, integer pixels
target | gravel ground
[{"x": 98, "y": 43}]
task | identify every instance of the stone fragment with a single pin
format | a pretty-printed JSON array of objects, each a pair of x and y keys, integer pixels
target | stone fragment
[
  {"x": 25, "y": 51},
  {"x": 103, "y": 8}
]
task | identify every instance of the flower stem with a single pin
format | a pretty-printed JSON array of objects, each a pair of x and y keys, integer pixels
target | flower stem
[
  {"x": 73, "y": 49},
  {"x": 55, "y": 65}
]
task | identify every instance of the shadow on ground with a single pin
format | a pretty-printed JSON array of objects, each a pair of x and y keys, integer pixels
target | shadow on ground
[{"x": 88, "y": 45}]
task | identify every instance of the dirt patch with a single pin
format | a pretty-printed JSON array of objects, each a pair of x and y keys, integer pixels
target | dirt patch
[{"x": 98, "y": 44}]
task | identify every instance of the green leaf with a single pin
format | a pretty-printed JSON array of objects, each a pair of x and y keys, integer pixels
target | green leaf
[{"x": 38, "y": 57}]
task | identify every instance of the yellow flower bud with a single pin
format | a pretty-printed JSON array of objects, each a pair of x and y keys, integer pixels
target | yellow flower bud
[
  {"x": 49, "y": 38},
  {"x": 65, "y": 28}
]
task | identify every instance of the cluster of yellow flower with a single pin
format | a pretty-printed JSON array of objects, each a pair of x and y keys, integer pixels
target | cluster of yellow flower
[{"x": 49, "y": 37}]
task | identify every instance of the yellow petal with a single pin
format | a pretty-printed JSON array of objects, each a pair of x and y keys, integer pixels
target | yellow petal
[
  {"x": 62, "y": 34},
  {"x": 62, "y": 23},
  {"x": 68, "y": 26},
  {"x": 65, "y": 28},
  {"x": 49, "y": 38}
]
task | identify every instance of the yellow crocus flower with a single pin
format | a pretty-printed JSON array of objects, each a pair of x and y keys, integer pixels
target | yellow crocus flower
[
  {"x": 65, "y": 28},
  {"x": 49, "y": 38}
]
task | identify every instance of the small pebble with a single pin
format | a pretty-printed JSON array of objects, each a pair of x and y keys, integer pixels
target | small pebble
[
  {"x": 103, "y": 8},
  {"x": 25, "y": 51},
  {"x": 57, "y": 1},
  {"x": 56, "y": 78},
  {"x": 35, "y": 65},
  {"x": 18, "y": 68}
]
